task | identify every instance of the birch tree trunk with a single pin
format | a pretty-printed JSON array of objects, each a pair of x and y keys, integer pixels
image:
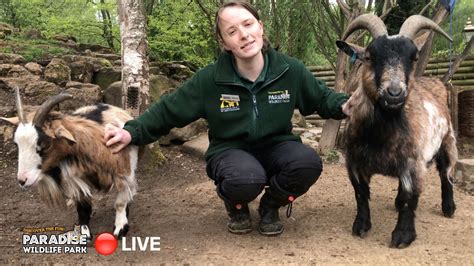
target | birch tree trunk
[{"x": 134, "y": 50}]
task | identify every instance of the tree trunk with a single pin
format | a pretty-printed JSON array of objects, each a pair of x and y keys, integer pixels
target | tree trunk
[
  {"x": 107, "y": 26},
  {"x": 331, "y": 127},
  {"x": 427, "y": 38},
  {"x": 135, "y": 68}
]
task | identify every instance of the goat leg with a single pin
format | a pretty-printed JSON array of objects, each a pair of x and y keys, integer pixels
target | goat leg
[
  {"x": 362, "y": 223},
  {"x": 399, "y": 201},
  {"x": 443, "y": 163},
  {"x": 84, "y": 210},
  {"x": 121, "y": 214},
  {"x": 405, "y": 232}
]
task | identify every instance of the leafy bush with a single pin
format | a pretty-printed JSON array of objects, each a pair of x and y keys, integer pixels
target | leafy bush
[{"x": 34, "y": 50}]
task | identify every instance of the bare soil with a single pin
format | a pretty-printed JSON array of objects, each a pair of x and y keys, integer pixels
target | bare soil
[{"x": 177, "y": 202}]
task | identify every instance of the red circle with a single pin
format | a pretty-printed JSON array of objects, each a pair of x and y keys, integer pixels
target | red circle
[{"x": 105, "y": 244}]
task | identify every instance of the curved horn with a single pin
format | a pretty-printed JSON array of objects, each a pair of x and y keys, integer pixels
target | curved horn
[
  {"x": 369, "y": 22},
  {"x": 46, "y": 107},
  {"x": 415, "y": 23},
  {"x": 19, "y": 106}
]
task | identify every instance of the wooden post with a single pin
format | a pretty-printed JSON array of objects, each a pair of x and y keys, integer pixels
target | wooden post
[{"x": 454, "y": 107}]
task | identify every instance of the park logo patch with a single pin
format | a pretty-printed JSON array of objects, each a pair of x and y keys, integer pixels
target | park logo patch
[
  {"x": 229, "y": 103},
  {"x": 281, "y": 96}
]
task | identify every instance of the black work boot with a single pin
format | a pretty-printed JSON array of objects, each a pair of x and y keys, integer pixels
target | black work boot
[
  {"x": 274, "y": 198},
  {"x": 239, "y": 215},
  {"x": 239, "y": 218},
  {"x": 270, "y": 223}
]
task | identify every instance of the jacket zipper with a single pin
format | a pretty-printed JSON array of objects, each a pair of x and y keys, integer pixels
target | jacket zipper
[
  {"x": 254, "y": 101},
  {"x": 254, "y": 98}
]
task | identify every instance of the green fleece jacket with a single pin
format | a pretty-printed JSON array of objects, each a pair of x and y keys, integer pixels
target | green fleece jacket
[{"x": 238, "y": 117}]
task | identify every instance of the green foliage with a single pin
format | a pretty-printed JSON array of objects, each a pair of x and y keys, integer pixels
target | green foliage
[
  {"x": 79, "y": 18},
  {"x": 34, "y": 50},
  {"x": 331, "y": 156},
  {"x": 178, "y": 30},
  {"x": 462, "y": 10}
]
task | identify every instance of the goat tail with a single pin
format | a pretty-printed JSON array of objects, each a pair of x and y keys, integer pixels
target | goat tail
[{"x": 50, "y": 193}]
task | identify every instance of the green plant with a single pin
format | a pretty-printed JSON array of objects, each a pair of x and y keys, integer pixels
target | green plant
[{"x": 330, "y": 156}]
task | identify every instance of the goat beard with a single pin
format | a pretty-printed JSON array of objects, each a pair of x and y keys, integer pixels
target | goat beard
[{"x": 50, "y": 193}]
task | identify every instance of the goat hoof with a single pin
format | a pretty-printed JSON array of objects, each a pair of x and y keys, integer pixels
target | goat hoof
[
  {"x": 448, "y": 209},
  {"x": 402, "y": 239},
  {"x": 361, "y": 227},
  {"x": 122, "y": 232}
]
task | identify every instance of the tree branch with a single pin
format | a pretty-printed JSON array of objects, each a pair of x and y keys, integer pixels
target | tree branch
[
  {"x": 458, "y": 62},
  {"x": 208, "y": 14},
  {"x": 426, "y": 7},
  {"x": 344, "y": 8}
]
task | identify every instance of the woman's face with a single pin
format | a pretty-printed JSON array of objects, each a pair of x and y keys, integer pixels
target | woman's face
[{"x": 241, "y": 32}]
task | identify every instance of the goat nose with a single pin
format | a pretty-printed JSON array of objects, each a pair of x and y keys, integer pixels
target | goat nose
[
  {"x": 22, "y": 182},
  {"x": 394, "y": 91}
]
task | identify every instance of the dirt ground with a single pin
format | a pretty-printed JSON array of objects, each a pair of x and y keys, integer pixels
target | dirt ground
[{"x": 177, "y": 202}]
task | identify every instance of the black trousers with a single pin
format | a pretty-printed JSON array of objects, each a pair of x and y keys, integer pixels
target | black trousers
[{"x": 240, "y": 176}]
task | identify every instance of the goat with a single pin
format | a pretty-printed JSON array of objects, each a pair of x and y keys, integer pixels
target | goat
[
  {"x": 65, "y": 158},
  {"x": 398, "y": 124}
]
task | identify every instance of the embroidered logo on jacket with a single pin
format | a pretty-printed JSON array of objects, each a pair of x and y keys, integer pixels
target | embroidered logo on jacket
[
  {"x": 229, "y": 103},
  {"x": 278, "y": 96}
]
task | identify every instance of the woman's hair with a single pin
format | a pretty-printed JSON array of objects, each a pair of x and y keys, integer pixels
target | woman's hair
[{"x": 249, "y": 8}]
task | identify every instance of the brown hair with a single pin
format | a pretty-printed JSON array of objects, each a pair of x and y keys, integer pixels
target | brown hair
[{"x": 249, "y": 8}]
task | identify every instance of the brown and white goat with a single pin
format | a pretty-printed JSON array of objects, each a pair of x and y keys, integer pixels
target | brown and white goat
[
  {"x": 398, "y": 124},
  {"x": 65, "y": 157}
]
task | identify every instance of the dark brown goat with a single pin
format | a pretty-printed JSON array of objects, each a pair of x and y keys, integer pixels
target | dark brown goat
[{"x": 398, "y": 124}]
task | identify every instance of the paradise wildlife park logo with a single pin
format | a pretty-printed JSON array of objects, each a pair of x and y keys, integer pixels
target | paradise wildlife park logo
[
  {"x": 53, "y": 240},
  {"x": 46, "y": 241}
]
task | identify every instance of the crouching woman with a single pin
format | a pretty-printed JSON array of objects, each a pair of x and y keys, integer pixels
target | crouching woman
[{"x": 248, "y": 97}]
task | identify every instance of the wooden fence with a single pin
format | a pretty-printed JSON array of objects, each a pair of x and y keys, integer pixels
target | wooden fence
[{"x": 463, "y": 79}]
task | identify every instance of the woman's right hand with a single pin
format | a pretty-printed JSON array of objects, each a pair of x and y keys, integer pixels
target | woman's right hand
[{"x": 116, "y": 136}]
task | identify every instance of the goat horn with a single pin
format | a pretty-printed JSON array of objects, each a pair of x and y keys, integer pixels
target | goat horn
[
  {"x": 369, "y": 22},
  {"x": 415, "y": 23},
  {"x": 19, "y": 106},
  {"x": 46, "y": 107}
]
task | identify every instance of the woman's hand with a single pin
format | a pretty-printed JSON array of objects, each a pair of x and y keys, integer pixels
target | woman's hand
[{"x": 116, "y": 136}]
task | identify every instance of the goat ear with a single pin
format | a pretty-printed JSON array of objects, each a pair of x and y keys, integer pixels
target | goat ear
[
  {"x": 12, "y": 120},
  {"x": 62, "y": 132},
  {"x": 352, "y": 50}
]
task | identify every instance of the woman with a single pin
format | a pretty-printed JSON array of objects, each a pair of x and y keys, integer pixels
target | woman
[{"x": 248, "y": 97}]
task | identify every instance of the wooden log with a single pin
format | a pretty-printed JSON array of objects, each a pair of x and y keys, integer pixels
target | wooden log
[
  {"x": 327, "y": 78},
  {"x": 465, "y": 88},
  {"x": 323, "y": 73},
  {"x": 446, "y": 64},
  {"x": 319, "y": 68},
  {"x": 441, "y": 71},
  {"x": 467, "y": 82},
  {"x": 444, "y": 59}
]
